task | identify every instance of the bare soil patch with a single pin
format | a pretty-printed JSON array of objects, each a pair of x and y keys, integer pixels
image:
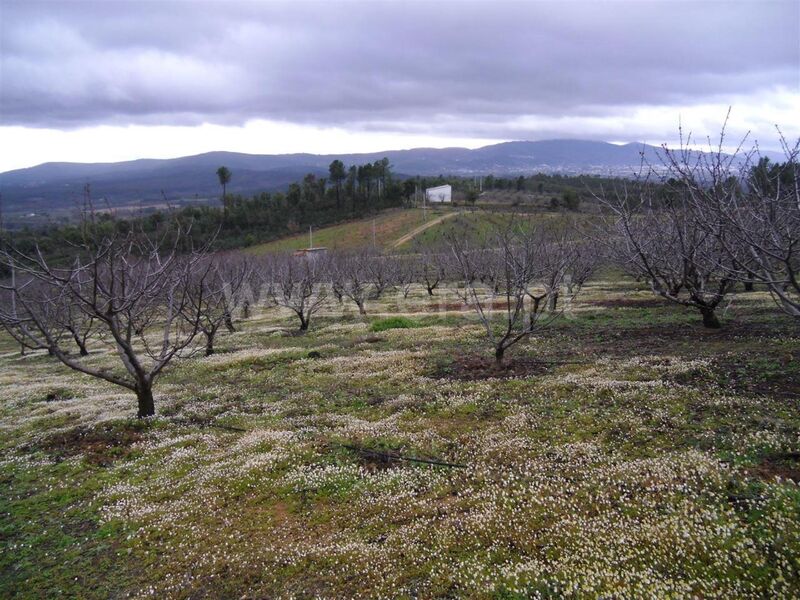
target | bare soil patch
[
  {"x": 785, "y": 465},
  {"x": 473, "y": 368},
  {"x": 773, "y": 377},
  {"x": 629, "y": 302},
  {"x": 101, "y": 445}
]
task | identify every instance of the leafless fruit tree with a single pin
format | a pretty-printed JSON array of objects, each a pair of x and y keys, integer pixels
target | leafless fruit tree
[
  {"x": 652, "y": 230},
  {"x": 752, "y": 208},
  {"x": 497, "y": 275},
  {"x": 352, "y": 277},
  {"x": 566, "y": 261},
  {"x": 215, "y": 292},
  {"x": 432, "y": 267},
  {"x": 16, "y": 322},
  {"x": 132, "y": 288},
  {"x": 380, "y": 271},
  {"x": 298, "y": 283},
  {"x": 405, "y": 273}
]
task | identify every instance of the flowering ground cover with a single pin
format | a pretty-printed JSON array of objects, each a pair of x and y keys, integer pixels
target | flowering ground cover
[{"x": 624, "y": 452}]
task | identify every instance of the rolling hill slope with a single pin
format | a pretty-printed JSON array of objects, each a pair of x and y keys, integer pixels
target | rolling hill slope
[
  {"x": 390, "y": 227},
  {"x": 60, "y": 185}
]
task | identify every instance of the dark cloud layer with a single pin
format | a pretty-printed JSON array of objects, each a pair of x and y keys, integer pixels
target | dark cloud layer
[{"x": 485, "y": 69}]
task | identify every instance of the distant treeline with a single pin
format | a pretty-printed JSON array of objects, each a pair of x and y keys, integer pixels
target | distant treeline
[
  {"x": 558, "y": 191},
  {"x": 347, "y": 193},
  {"x": 540, "y": 183},
  {"x": 243, "y": 221}
]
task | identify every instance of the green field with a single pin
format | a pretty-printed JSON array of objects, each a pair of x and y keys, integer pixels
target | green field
[
  {"x": 392, "y": 226},
  {"x": 625, "y": 452},
  {"x": 388, "y": 227},
  {"x": 477, "y": 224}
]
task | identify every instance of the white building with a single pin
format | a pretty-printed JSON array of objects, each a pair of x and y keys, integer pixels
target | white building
[{"x": 441, "y": 193}]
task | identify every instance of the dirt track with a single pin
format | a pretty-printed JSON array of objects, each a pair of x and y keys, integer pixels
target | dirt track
[{"x": 415, "y": 232}]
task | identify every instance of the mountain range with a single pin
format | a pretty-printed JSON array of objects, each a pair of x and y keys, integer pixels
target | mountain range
[{"x": 147, "y": 182}]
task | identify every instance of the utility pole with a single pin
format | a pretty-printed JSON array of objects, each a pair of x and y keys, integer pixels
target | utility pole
[
  {"x": 14, "y": 303},
  {"x": 13, "y": 276},
  {"x": 310, "y": 238}
]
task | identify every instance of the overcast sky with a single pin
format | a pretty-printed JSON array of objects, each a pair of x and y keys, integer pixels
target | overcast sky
[{"x": 113, "y": 80}]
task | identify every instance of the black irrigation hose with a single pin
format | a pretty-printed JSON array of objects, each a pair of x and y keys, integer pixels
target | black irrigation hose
[
  {"x": 389, "y": 456},
  {"x": 227, "y": 427},
  {"x": 201, "y": 424}
]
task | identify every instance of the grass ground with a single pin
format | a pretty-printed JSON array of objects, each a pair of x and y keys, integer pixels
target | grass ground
[
  {"x": 626, "y": 452},
  {"x": 478, "y": 224},
  {"x": 389, "y": 226},
  {"x": 403, "y": 230},
  {"x": 474, "y": 223}
]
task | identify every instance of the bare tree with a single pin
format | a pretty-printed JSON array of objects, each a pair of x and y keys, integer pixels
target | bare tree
[
  {"x": 567, "y": 260},
  {"x": 15, "y": 319},
  {"x": 66, "y": 319},
  {"x": 767, "y": 223},
  {"x": 214, "y": 294},
  {"x": 653, "y": 231},
  {"x": 77, "y": 323},
  {"x": 432, "y": 267},
  {"x": 498, "y": 274},
  {"x": 752, "y": 208},
  {"x": 298, "y": 283},
  {"x": 405, "y": 273},
  {"x": 586, "y": 257},
  {"x": 379, "y": 270},
  {"x": 133, "y": 288},
  {"x": 351, "y": 276}
]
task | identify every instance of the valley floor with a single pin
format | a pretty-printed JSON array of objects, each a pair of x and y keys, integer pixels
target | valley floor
[{"x": 625, "y": 452}]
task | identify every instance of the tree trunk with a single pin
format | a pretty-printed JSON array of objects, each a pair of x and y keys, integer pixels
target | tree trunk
[
  {"x": 552, "y": 302},
  {"x": 710, "y": 319},
  {"x": 209, "y": 344},
  {"x": 498, "y": 356},
  {"x": 534, "y": 311},
  {"x": 430, "y": 290},
  {"x": 144, "y": 394},
  {"x": 81, "y": 346},
  {"x": 303, "y": 323},
  {"x": 361, "y": 309},
  {"x": 748, "y": 285}
]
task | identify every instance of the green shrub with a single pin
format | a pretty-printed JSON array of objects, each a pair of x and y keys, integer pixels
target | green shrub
[{"x": 394, "y": 323}]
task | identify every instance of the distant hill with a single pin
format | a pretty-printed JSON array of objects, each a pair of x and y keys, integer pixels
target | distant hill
[{"x": 147, "y": 182}]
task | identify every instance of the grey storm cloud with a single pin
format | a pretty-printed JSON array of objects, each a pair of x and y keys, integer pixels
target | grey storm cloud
[{"x": 475, "y": 68}]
